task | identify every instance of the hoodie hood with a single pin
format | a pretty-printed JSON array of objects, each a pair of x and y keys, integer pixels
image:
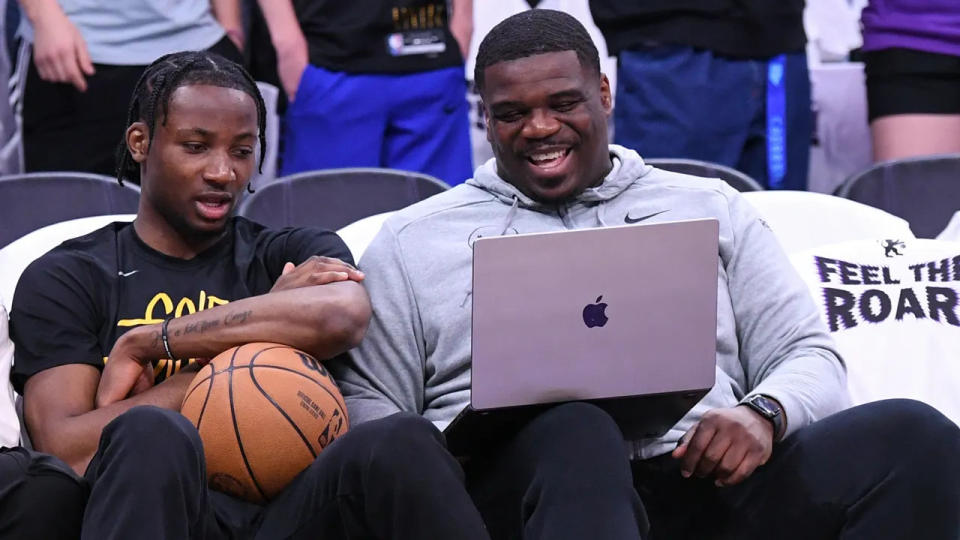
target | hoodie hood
[{"x": 628, "y": 167}]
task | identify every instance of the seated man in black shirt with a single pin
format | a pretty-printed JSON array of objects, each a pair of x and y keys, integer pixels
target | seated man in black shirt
[{"x": 209, "y": 281}]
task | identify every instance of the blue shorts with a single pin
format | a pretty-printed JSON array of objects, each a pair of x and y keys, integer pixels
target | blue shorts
[
  {"x": 678, "y": 102},
  {"x": 416, "y": 122}
]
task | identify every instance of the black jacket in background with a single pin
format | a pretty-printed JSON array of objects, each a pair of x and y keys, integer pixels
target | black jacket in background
[{"x": 737, "y": 28}]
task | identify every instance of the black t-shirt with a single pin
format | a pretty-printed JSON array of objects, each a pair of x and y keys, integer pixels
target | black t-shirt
[
  {"x": 73, "y": 303},
  {"x": 378, "y": 36},
  {"x": 738, "y": 28}
]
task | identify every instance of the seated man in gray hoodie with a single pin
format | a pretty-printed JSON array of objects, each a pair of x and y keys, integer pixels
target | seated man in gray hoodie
[{"x": 769, "y": 452}]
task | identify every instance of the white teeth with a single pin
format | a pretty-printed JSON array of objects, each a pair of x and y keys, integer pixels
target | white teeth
[{"x": 547, "y": 157}]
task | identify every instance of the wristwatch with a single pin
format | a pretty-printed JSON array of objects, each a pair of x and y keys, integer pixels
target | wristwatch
[{"x": 769, "y": 409}]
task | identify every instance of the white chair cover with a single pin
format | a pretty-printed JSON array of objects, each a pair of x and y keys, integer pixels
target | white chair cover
[
  {"x": 9, "y": 423},
  {"x": 16, "y": 256},
  {"x": 803, "y": 220},
  {"x": 360, "y": 233}
]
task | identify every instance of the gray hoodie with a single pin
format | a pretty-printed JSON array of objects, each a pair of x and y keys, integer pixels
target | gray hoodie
[{"x": 416, "y": 354}]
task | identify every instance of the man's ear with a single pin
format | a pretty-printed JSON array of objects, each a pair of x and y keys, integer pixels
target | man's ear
[
  {"x": 486, "y": 121},
  {"x": 138, "y": 141},
  {"x": 606, "y": 98}
]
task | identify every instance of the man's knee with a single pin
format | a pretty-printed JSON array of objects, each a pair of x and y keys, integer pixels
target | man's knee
[
  {"x": 910, "y": 424},
  {"x": 151, "y": 431},
  {"x": 580, "y": 421},
  {"x": 406, "y": 438}
]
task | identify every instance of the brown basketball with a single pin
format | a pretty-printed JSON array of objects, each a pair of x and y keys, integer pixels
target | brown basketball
[{"x": 264, "y": 412}]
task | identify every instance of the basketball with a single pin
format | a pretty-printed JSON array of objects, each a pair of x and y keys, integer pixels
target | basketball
[{"x": 264, "y": 411}]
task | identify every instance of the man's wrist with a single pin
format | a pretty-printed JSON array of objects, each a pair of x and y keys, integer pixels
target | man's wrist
[{"x": 770, "y": 410}]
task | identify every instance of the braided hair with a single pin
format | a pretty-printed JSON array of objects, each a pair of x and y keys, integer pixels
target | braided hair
[
  {"x": 533, "y": 32},
  {"x": 151, "y": 96}
]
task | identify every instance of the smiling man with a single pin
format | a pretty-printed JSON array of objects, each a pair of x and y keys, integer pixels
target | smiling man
[{"x": 756, "y": 458}]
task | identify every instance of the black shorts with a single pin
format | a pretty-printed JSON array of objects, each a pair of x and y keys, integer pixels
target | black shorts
[{"x": 907, "y": 81}]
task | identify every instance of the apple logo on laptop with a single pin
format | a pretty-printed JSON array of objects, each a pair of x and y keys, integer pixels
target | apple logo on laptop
[{"x": 594, "y": 314}]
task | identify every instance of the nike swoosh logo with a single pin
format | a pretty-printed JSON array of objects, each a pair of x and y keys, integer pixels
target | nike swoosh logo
[
  {"x": 128, "y": 274},
  {"x": 628, "y": 219}
]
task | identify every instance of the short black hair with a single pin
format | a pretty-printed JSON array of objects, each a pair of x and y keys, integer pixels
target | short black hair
[
  {"x": 533, "y": 32},
  {"x": 151, "y": 96}
]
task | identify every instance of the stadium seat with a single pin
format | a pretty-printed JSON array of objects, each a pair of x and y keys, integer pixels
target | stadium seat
[
  {"x": 925, "y": 191},
  {"x": 334, "y": 198},
  {"x": 270, "y": 95},
  {"x": 736, "y": 179},
  {"x": 803, "y": 220},
  {"x": 15, "y": 257},
  {"x": 360, "y": 233},
  {"x": 33, "y": 200}
]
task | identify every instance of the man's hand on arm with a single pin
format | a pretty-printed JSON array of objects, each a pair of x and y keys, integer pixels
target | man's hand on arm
[
  {"x": 727, "y": 444},
  {"x": 316, "y": 270},
  {"x": 59, "y": 50},
  {"x": 323, "y": 321}
]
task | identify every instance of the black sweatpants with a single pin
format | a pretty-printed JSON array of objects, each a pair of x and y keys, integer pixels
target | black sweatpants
[
  {"x": 887, "y": 470},
  {"x": 65, "y": 129},
  {"x": 40, "y": 496},
  {"x": 564, "y": 475},
  {"x": 389, "y": 478}
]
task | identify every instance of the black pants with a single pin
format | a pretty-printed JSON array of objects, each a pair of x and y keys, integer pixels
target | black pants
[
  {"x": 389, "y": 478},
  {"x": 565, "y": 475},
  {"x": 68, "y": 130},
  {"x": 884, "y": 470},
  {"x": 40, "y": 496}
]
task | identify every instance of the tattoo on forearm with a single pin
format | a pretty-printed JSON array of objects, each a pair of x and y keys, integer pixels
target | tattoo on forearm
[
  {"x": 237, "y": 318},
  {"x": 200, "y": 327}
]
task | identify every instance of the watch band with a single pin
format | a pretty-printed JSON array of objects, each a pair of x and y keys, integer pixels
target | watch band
[{"x": 768, "y": 408}]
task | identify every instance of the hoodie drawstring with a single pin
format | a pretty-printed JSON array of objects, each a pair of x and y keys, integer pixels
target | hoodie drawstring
[{"x": 512, "y": 213}]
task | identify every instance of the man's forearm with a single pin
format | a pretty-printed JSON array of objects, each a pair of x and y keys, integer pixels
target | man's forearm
[
  {"x": 227, "y": 13},
  {"x": 321, "y": 320},
  {"x": 282, "y": 23},
  {"x": 75, "y": 439}
]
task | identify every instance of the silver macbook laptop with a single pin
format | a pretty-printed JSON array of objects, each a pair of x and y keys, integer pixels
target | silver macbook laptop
[{"x": 623, "y": 317}]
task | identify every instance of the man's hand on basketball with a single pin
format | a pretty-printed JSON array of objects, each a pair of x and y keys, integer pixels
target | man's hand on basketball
[
  {"x": 59, "y": 50},
  {"x": 315, "y": 271},
  {"x": 728, "y": 444}
]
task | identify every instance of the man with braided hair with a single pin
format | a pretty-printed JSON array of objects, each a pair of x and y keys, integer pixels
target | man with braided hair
[{"x": 194, "y": 122}]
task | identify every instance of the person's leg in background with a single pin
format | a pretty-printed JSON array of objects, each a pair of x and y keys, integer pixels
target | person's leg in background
[
  {"x": 65, "y": 129},
  {"x": 678, "y": 102},
  {"x": 914, "y": 103},
  {"x": 387, "y": 478},
  {"x": 429, "y": 125},
  {"x": 792, "y": 119},
  {"x": 40, "y": 496},
  {"x": 565, "y": 474},
  {"x": 337, "y": 120}
]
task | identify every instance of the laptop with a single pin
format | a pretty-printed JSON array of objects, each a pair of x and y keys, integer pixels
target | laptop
[{"x": 623, "y": 317}]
